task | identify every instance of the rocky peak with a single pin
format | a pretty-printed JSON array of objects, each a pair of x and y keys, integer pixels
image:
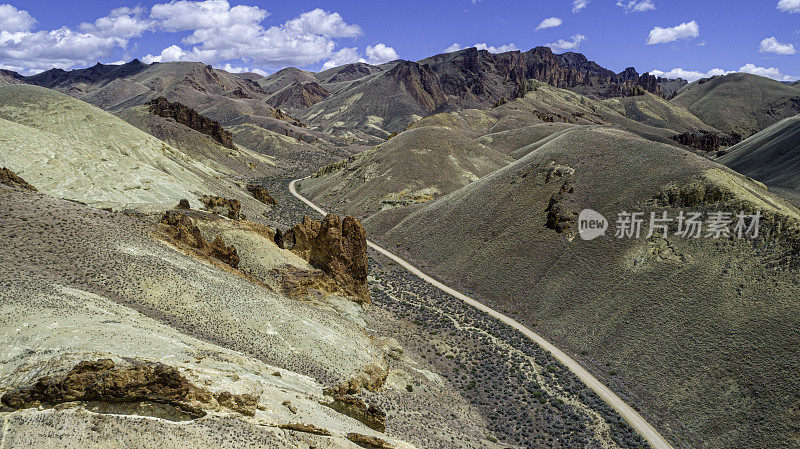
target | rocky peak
[
  {"x": 300, "y": 95},
  {"x": 336, "y": 246},
  {"x": 191, "y": 118}
]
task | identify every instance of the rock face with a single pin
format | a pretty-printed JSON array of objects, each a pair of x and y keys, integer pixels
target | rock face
[
  {"x": 261, "y": 194},
  {"x": 337, "y": 247},
  {"x": 706, "y": 141},
  {"x": 103, "y": 381},
  {"x": 226, "y": 207},
  {"x": 420, "y": 81},
  {"x": 182, "y": 231},
  {"x": 354, "y": 407},
  {"x": 10, "y": 178},
  {"x": 191, "y": 118},
  {"x": 298, "y": 95}
]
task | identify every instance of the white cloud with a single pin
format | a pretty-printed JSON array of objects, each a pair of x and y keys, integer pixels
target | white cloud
[
  {"x": 771, "y": 45},
  {"x": 660, "y": 35},
  {"x": 169, "y": 54},
  {"x": 550, "y": 22},
  {"x": 223, "y": 33},
  {"x": 13, "y": 20},
  {"x": 688, "y": 75},
  {"x": 579, "y": 5},
  {"x": 214, "y": 32},
  {"x": 769, "y": 72},
  {"x": 455, "y": 46},
  {"x": 344, "y": 56},
  {"x": 636, "y": 6},
  {"x": 694, "y": 75},
  {"x": 790, "y": 6},
  {"x": 375, "y": 54},
  {"x": 483, "y": 46},
  {"x": 492, "y": 49},
  {"x": 236, "y": 69},
  {"x": 380, "y": 53},
  {"x": 564, "y": 45},
  {"x": 323, "y": 23},
  {"x": 124, "y": 23}
]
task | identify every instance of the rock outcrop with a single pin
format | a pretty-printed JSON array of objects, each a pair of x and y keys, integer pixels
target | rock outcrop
[
  {"x": 706, "y": 141},
  {"x": 182, "y": 231},
  {"x": 337, "y": 247},
  {"x": 261, "y": 194},
  {"x": 10, "y": 178},
  {"x": 226, "y": 207},
  {"x": 191, "y": 118},
  {"x": 372, "y": 416},
  {"x": 369, "y": 442},
  {"x": 103, "y": 381}
]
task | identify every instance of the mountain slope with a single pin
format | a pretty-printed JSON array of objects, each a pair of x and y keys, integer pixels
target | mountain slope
[
  {"x": 70, "y": 149},
  {"x": 415, "y": 166},
  {"x": 669, "y": 322},
  {"x": 739, "y": 103},
  {"x": 655, "y": 111},
  {"x": 771, "y": 156}
]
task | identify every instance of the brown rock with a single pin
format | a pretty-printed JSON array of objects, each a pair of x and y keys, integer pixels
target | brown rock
[
  {"x": 182, "y": 231},
  {"x": 183, "y": 204},
  {"x": 371, "y": 377},
  {"x": 307, "y": 428},
  {"x": 337, "y": 247},
  {"x": 369, "y": 441},
  {"x": 226, "y": 207},
  {"x": 244, "y": 404},
  {"x": 102, "y": 381},
  {"x": 10, "y": 178},
  {"x": 191, "y": 118},
  {"x": 261, "y": 194},
  {"x": 352, "y": 406}
]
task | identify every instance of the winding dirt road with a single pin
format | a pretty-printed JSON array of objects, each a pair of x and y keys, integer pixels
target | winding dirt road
[{"x": 633, "y": 418}]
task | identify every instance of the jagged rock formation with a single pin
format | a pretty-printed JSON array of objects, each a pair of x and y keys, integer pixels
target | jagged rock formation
[
  {"x": 182, "y": 231},
  {"x": 299, "y": 95},
  {"x": 337, "y": 247},
  {"x": 226, "y": 207},
  {"x": 103, "y": 381},
  {"x": 420, "y": 81},
  {"x": 10, "y": 178},
  {"x": 706, "y": 141},
  {"x": 261, "y": 194},
  {"x": 191, "y": 118}
]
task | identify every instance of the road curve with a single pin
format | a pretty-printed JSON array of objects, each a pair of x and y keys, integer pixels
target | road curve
[{"x": 631, "y": 416}]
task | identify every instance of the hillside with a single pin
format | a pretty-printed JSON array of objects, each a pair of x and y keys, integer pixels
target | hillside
[
  {"x": 655, "y": 111},
  {"x": 739, "y": 103},
  {"x": 771, "y": 156},
  {"x": 629, "y": 306},
  {"x": 70, "y": 149},
  {"x": 415, "y": 166}
]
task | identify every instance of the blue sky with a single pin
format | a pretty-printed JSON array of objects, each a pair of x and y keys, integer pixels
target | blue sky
[{"x": 689, "y": 38}]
